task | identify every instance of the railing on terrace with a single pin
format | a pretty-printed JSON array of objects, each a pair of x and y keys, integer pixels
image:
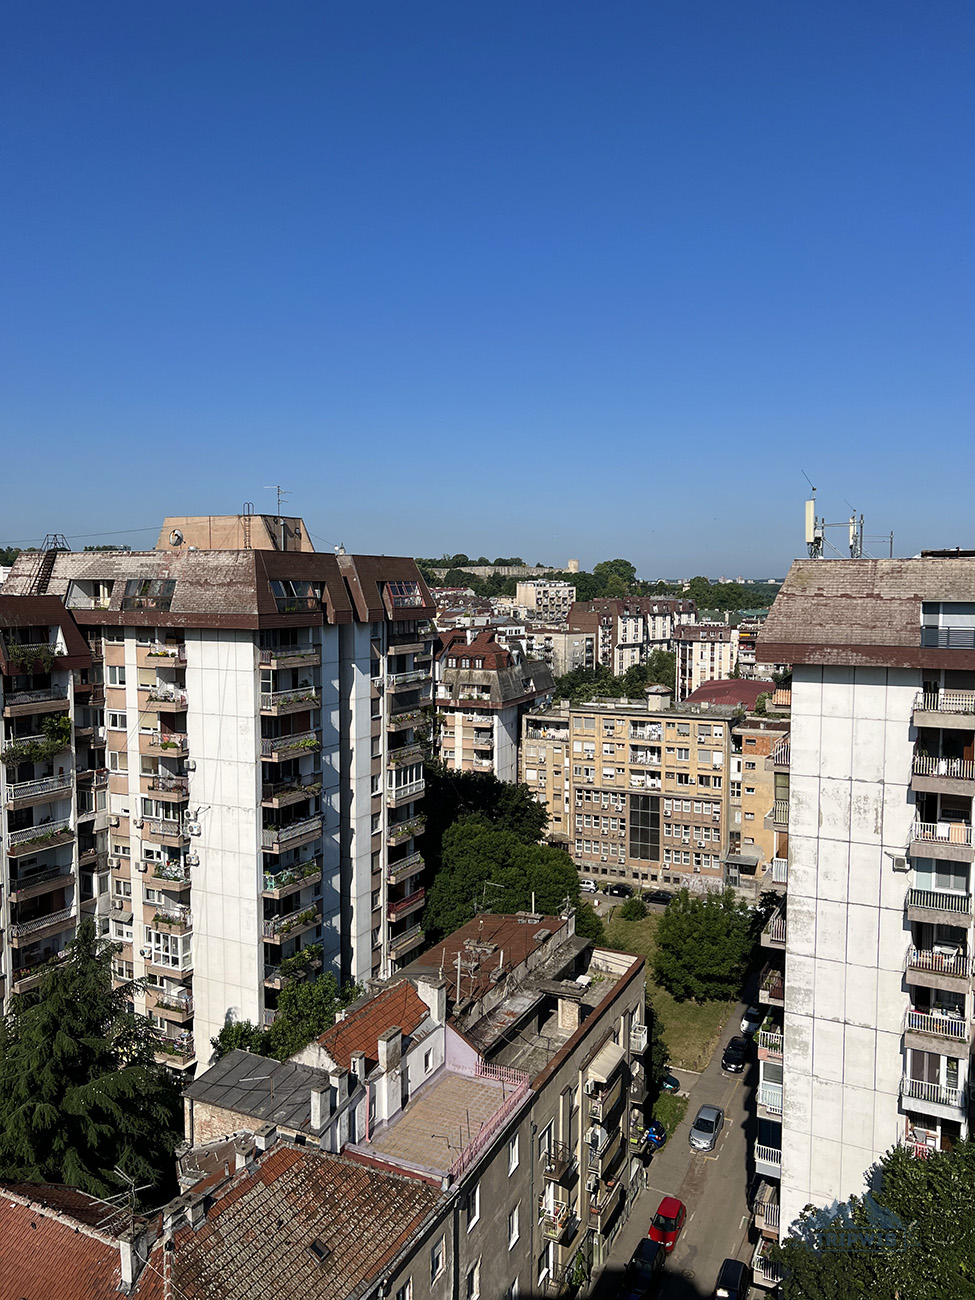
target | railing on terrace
[
  {"x": 775, "y": 929},
  {"x": 271, "y": 835},
  {"x": 770, "y": 1096},
  {"x": 17, "y": 886},
  {"x": 780, "y": 871},
  {"x": 402, "y": 905},
  {"x": 291, "y": 920},
  {"x": 25, "y": 928},
  {"x": 408, "y": 791},
  {"x": 782, "y": 752},
  {"x": 407, "y": 679},
  {"x": 771, "y": 1040},
  {"x": 942, "y": 832},
  {"x": 173, "y": 784},
  {"x": 170, "y": 828},
  {"x": 935, "y": 1093},
  {"x": 406, "y": 718},
  {"x": 768, "y": 1155},
  {"x": 937, "y": 901},
  {"x": 274, "y": 790},
  {"x": 773, "y": 985},
  {"x": 780, "y": 812},
  {"x": 946, "y": 702},
  {"x": 298, "y": 740},
  {"x": 768, "y": 1212},
  {"x": 403, "y": 754},
  {"x": 957, "y": 769},
  {"x": 767, "y": 1269},
  {"x": 302, "y": 695},
  {"x": 172, "y": 916},
  {"x": 491, "y": 1126},
  {"x": 404, "y": 830},
  {"x": 412, "y": 863},
  {"x": 175, "y": 1002},
  {"x": 268, "y": 653},
  {"x": 944, "y": 1026},
  {"x": 35, "y": 697},
  {"x": 941, "y": 963},
  {"x": 292, "y": 876},
  {"x": 45, "y": 831},
  {"x": 167, "y": 739},
  {"x": 176, "y": 654},
  {"x": 406, "y": 939},
  {"x": 168, "y": 695},
  {"x": 177, "y": 873},
  {"x": 46, "y": 785}
]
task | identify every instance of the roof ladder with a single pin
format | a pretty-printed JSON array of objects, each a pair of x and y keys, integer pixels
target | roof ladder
[{"x": 44, "y": 567}]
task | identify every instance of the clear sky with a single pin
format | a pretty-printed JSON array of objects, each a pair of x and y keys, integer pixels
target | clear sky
[{"x": 533, "y": 277}]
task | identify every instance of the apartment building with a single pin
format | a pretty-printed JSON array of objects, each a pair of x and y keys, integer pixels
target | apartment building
[
  {"x": 758, "y": 846},
  {"x": 646, "y": 785},
  {"x": 548, "y": 600},
  {"x": 48, "y": 784},
  {"x": 483, "y": 690},
  {"x": 617, "y": 634},
  {"x": 263, "y": 724},
  {"x": 705, "y": 652},
  {"x": 879, "y": 775}
]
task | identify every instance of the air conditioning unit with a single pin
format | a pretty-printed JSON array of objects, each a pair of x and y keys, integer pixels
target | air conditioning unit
[
  {"x": 192, "y": 828},
  {"x": 118, "y": 904},
  {"x": 138, "y": 823},
  {"x": 605, "y": 858},
  {"x": 697, "y": 868},
  {"x": 113, "y": 820},
  {"x": 114, "y": 863},
  {"x": 899, "y": 864},
  {"x": 192, "y": 859},
  {"x": 592, "y": 1184},
  {"x": 190, "y": 765},
  {"x": 145, "y": 952},
  {"x": 142, "y": 866}
]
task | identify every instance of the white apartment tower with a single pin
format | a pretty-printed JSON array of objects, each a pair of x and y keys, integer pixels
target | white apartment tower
[
  {"x": 877, "y": 940},
  {"x": 258, "y": 719}
]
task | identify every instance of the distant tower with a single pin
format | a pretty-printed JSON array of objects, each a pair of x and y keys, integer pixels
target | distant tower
[{"x": 572, "y": 566}]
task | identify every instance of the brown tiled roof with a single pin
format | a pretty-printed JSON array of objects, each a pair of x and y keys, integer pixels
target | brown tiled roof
[
  {"x": 256, "y": 1241},
  {"x": 730, "y": 690},
  {"x": 45, "y": 611},
  {"x": 359, "y": 1031},
  {"x": 47, "y": 1257}
]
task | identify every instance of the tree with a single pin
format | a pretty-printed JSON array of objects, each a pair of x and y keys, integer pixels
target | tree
[
  {"x": 452, "y": 795},
  {"x": 589, "y": 923},
  {"x": 761, "y": 704},
  {"x": 306, "y": 1008},
  {"x": 81, "y": 1095},
  {"x": 458, "y": 578},
  {"x": 623, "y": 570},
  {"x": 704, "y": 945},
  {"x": 634, "y": 909},
  {"x": 583, "y": 684},
  {"x": 8, "y": 554},
  {"x": 929, "y": 1206}
]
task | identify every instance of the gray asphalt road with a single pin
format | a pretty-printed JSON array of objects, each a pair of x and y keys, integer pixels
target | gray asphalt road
[{"x": 713, "y": 1187}]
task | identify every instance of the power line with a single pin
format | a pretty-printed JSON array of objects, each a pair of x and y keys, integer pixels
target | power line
[{"x": 122, "y": 532}]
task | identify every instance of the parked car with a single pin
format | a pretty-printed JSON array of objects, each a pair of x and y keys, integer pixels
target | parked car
[
  {"x": 708, "y": 1123},
  {"x": 732, "y": 1283},
  {"x": 667, "y": 1222},
  {"x": 658, "y": 896},
  {"x": 588, "y": 887},
  {"x": 751, "y": 1020},
  {"x": 619, "y": 891},
  {"x": 656, "y": 1134},
  {"x": 641, "y": 1272},
  {"x": 670, "y": 1083},
  {"x": 733, "y": 1059}
]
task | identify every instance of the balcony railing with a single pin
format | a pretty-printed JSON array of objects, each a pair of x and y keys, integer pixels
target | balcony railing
[
  {"x": 770, "y": 1096},
  {"x": 942, "y": 832},
  {"x": 780, "y": 812},
  {"x": 764, "y": 1268},
  {"x": 271, "y": 745},
  {"x": 955, "y": 769},
  {"x": 168, "y": 740},
  {"x": 398, "y": 794},
  {"x": 403, "y": 906},
  {"x": 170, "y": 784},
  {"x": 556, "y": 1161},
  {"x": 270, "y": 653},
  {"x": 44, "y": 696},
  {"x": 175, "y": 1002},
  {"x": 24, "y": 884},
  {"x": 942, "y": 1026},
  {"x": 404, "y": 754},
  {"x": 935, "y": 1094},
  {"x": 407, "y": 939},
  {"x": 405, "y": 718},
  {"x": 775, "y": 929},
  {"x": 780, "y": 871},
  {"x": 282, "y": 925},
  {"x": 25, "y": 928},
  {"x": 772, "y": 986},
  {"x": 782, "y": 752},
  {"x": 168, "y": 696},
  {"x": 940, "y": 963},
  {"x": 275, "y": 836},
  {"x": 946, "y": 702},
  {"x": 404, "y": 830},
  {"x": 293, "y": 875},
  {"x": 172, "y": 830},
  {"x": 768, "y": 1155},
  {"x": 48, "y": 785},
  {"x": 555, "y": 1218},
  {"x": 935, "y": 900},
  {"x": 771, "y": 1040},
  {"x": 46, "y": 831},
  {"x": 173, "y": 918},
  {"x": 396, "y": 681},
  {"x": 302, "y": 695}
]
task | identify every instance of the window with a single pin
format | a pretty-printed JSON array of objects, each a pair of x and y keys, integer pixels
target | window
[
  {"x": 116, "y": 675},
  {"x": 427, "y": 1062},
  {"x": 513, "y": 1231},
  {"x": 472, "y": 1286},
  {"x": 683, "y": 755},
  {"x": 118, "y": 760},
  {"x": 437, "y": 1260},
  {"x": 473, "y": 1206},
  {"x": 513, "y": 1154},
  {"x": 405, "y": 1292},
  {"x": 117, "y": 721}
]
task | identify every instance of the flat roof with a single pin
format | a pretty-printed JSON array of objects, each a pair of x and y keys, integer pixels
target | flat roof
[{"x": 443, "y": 1118}]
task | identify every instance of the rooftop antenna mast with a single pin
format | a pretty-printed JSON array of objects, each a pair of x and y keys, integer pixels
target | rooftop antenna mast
[
  {"x": 816, "y": 528},
  {"x": 276, "y": 487}
]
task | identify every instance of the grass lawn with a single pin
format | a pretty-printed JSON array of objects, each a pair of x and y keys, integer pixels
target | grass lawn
[
  {"x": 691, "y": 1029},
  {"x": 670, "y": 1111}
]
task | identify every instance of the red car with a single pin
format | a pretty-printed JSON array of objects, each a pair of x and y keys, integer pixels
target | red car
[{"x": 667, "y": 1222}]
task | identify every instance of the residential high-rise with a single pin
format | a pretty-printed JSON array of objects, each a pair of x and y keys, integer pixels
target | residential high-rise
[
  {"x": 264, "y": 720},
  {"x": 705, "y": 652},
  {"x": 877, "y": 941}
]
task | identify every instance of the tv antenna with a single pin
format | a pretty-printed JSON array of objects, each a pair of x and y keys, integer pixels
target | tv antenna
[{"x": 276, "y": 487}]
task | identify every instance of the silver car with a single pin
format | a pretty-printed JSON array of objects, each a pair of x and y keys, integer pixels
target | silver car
[{"x": 706, "y": 1127}]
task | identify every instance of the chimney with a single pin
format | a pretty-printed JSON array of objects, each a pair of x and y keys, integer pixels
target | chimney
[
  {"x": 265, "y": 1137},
  {"x": 339, "y": 1079},
  {"x": 434, "y": 993},
  {"x": 196, "y": 1212},
  {"x": 390, "y": 1048},
  {"x": 568, "y": 1014},
  {"x": 133, "y": 1246},
  {"x": 359, "y": 1066},
  {"x": 320, "y": 1106}
]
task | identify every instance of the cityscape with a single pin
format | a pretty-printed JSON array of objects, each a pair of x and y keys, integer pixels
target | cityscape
[{"x": 583, "y": 915}]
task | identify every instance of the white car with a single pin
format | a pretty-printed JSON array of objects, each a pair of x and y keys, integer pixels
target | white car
[
  {"x": 588, "y": 887},
  {"x": 751, "y": 1020}
]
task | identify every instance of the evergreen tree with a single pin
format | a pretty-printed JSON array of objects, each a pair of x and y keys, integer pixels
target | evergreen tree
[
  {"x": 80, "y": 1093},
  {"x": 704, "y": 945}
]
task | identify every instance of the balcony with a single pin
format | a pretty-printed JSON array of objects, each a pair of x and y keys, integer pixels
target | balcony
[
  {"x": 284, "y": 883},
  {"x": 555, "y": 1218},
  {"x": 946, "y": 1026},
  {"x": 405, "y": 942},
  {"x": 638, "y": 1039},
  {"x": 275, "y": 839},
  {"x": 173, "y": 789},
  {"x": 20, "y": 703},
  {"x": 603, "y": 1203},
  {"x": 159, "y": 655},
  {"x": 179, "y": 1006},
  {"x": 778, "y": 817},
  {"x": 405, "y": 906},
  {"x": 27, "y": 932},
  {"x": 172, "y": 876},
  {"x": 276, "y": 748},
  {"x": 406, "y": 681},
  {"x": 602, "y": 1153},
  {"x": 293, "y": 968},
  {"x": 277, "y": 703},
  {"x": 556, "y": 1162},
  {"x": 766, "y": 1211},
  {"x": 277, "y": 928},
  {"x": 954, "y": 840},
  {"x": 26, "y": 793},
  {"x": 165, "y": 699},
  {"x": 37, "y": 839},
  {"x": 280, "y": 794},
  {"x": 765, "y": 1272},
  {"x": 780, "y": 871},
  {"x": 944, "y": 969},
  {"x": 938, "y": 907},
  {"x": 781, "y": 754},
  {"x": 171, "y": 743},
  {"x": 397, "y": 872},
  {"x": 946, "y": 709},
  {"x": 405, "y": 718},
  {"x": 952, "y": 776},
  {"x": 170, "y": 833},
  {"x": 933, "y": 1095},
  {"x": 602, "y": 1100},
  {"x": 645, "y": 782},
  {"x": 770, "y": 1097},
  {"x": 773, "y": 936},
  {"x": 177, "y": 1053},
  {"x": 768, "y": 1160},
  {"x": 770, "y": 1042},
  {"x": 403, "y": 831},
  {"x": 771, "y": 988},
  {"x": 404, "y": 755},
  {"x": 398, "y": 795},
  {"x": 40, "y": 882},
  {"x": 290, "y": 656}
]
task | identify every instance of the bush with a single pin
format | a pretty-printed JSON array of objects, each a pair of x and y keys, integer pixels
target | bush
[{"x": 634, "y": 909}]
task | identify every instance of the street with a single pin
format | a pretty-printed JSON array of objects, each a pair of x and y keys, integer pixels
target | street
[{"x": 713, "y": 1187}]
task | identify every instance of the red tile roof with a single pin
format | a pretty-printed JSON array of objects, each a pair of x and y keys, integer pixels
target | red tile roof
[
  {"x": 730, "y": 690},
  {"x": 512, "y": 937},
  {"x": 47, "y": 1255},
  {"x": 359, "y": 1031}
]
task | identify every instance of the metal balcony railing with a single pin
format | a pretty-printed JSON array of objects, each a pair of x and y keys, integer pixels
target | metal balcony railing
[
  {"x": 942, "y": 1026},
  {"x": 775, "y": 929},
  {"x": 298, "y": 740},
  {"x": 178, "y": 699},
  {"x": 942, "y": 832},
  {"x": 946, "y": 702},
  {"x": 272, "y": 836},
  {"x": 782, "y": 752},
  {"x": 35, "y": 697},
  {"x": 167, "y": 739},
  {"x": 270, "y": 653},
  {"x": 396, "y": 794},
  {"x": 770, "y": 1096},
  {"x": 302, "y": 695},
  {"x": 957, "y": 965},
  {"x": 32, "y": 789},
  {"x": 780, "y": 812},
  {"x": 402, "y": 906},
  {"x": 780, "y": 871},
  {"x": 936, "y": 1094},
  {"x": 45, "y": 831},
  {"x": 937, "y": 901},
  {"x": 25, "y": 928},
  {"x": 771, "y": 1040},
  {"x": 956, "y": 769},
  {"x": 768, "y": 1155}
]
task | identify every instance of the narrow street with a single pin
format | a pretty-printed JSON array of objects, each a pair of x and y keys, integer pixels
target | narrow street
[{"x": 714, "y": 1188}]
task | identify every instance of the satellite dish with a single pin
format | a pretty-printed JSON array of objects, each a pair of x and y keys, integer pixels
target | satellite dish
[{"x": 176, "y": 538}]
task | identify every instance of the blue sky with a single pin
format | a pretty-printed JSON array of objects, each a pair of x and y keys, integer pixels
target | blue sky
[{"x": 535, "y": 276}]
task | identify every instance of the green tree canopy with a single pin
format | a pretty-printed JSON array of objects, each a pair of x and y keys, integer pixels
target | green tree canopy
[
  {"x": 80, "y": 1093},
  {"x": 933, "y": 1198},
  {"x": 306, "y": 1008},
  {"x": 8, "y": 554},
  {"x": 705, "y": 943},
  {"x": 621, "y": 569}
]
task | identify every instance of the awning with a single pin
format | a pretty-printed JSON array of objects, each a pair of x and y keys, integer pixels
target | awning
[{"x": 606, "y": 1061}]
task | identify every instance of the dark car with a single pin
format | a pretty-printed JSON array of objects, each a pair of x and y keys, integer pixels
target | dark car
[
  {"x": 733, "y": 1060},
  {"x": 658, "y": 896},
  {"x": 732, "y": 1283},
  {"x": 670, "y": 1083},
  {"x": 656, "y": 1134},
  {"x": 645, "y": 1263},
  {"x": 619, "y": 891}
]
